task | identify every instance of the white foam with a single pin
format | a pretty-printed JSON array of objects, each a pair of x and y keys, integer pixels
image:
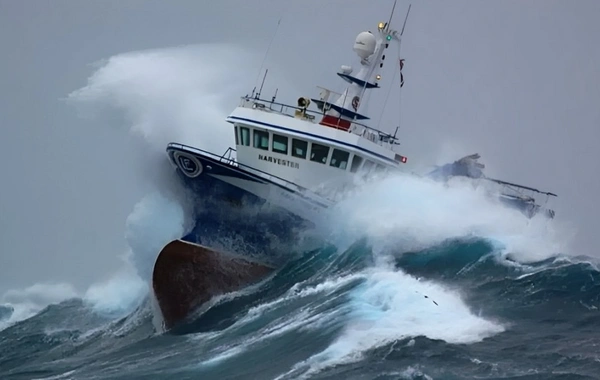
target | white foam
[
  {"x": 63, "y": 375},
  {"x": 117, "y": 296},
  {"x": 31, "y": 300},
  {"x": 305, "y": 319},
  {"x": 302, "y": 319},
  {"x": 154, "y": 221},
  {"x": 299, "y": 290},
  {"x": 407, "y": 212},
  {"x": 392, "y": 305}
]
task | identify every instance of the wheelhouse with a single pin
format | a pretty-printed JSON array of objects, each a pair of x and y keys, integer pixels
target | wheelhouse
[
  {"x": 324, "y": 147},
  {"x": 306, "y": 161}
]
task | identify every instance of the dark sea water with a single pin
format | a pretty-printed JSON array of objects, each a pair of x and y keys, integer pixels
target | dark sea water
[{"x": 461, "y": 309}]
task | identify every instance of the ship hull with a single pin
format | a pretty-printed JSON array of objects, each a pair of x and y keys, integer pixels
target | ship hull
[
  {"x": 241, "y": 220},
  {"x": 231, "y": 203},
  {"x": 217, "y": 177},
  {"x": 187, "y": 275}
]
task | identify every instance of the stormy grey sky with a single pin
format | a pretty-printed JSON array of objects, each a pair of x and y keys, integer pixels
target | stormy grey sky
[{"x": 516, "y": 81}]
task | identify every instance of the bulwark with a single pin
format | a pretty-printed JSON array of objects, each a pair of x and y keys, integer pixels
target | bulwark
[{"x": 279, "y": 161}]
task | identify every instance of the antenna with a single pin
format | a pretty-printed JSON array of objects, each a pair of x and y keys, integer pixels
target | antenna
[
  {"x": 391, "y": 15},
  {"x": 394, "y": 77},
  {"x": 405, "y": 19},
  {"x": 399, "y": 59},
  {"x": 261, "y": 85},
  {"x": 267, "y": 52}
]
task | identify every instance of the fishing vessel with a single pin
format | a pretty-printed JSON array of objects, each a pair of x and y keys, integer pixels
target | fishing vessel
[
  {"x": 298, "y": 157},
  {"x": 289, "y": 164}
]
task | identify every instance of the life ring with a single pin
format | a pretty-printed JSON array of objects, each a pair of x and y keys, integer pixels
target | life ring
[{"x": 189, "y": 165}]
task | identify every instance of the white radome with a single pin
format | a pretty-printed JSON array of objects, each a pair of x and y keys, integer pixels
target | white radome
[
  {"x": 365, "y": 44},
  {"x": 346, "y": 69}
]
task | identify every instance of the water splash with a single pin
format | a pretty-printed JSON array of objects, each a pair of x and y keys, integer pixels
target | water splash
[
  {"x": 406, "y": 212},
  {"x": 389, "y": 306},
  {"x": 401, "y": 213},
  {"x": 175, "y": 94}
]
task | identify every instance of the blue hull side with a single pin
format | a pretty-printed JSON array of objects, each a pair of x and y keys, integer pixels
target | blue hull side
[{"x": 229, "y": 217}]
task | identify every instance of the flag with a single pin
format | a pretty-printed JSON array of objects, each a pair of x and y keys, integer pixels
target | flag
[{"x": 401, "y": 75}]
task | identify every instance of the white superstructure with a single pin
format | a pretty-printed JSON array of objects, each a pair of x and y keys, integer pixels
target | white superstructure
[{"x": 327, "y": 145}]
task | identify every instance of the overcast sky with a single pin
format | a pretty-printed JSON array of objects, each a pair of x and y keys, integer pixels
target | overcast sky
[{"x": 516, "y": 81}]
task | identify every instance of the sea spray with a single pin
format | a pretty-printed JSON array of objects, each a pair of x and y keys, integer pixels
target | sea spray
[
  {"x": 407, "y": 212},
  {"x": 174, "y": 94},
  {"x": 154, "y": 221},
  {"x": 178, "y": 94},
  {"x": 389, "y": 306}
]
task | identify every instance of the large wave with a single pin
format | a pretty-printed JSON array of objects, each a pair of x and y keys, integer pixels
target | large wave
[{"x": 403, "y": 213}]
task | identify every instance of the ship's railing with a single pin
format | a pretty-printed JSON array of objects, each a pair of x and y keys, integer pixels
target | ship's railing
[
  {"x": 228, "y": 159},
  {"x": 371, "y": 134}
]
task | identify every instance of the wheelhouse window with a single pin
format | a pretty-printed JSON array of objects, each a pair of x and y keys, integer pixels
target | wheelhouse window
[
  {"x": 261, "y": 139},
  {"x": 339, "y": 159},
  {"x": 319, "y": 153},
  {"x": 356, "y": 161},
  {"x": 280, "y": 144},
  {"x": 245, "y": 135},
  {"x": 235, "y": 132},
  {"x": 299, "y": 148}
]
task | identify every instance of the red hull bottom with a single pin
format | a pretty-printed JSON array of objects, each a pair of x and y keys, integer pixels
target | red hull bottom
[{"x": 186, "y": 275}]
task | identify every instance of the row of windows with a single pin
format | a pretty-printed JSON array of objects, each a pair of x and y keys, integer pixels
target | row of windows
[{"x": 299, "y": 148}]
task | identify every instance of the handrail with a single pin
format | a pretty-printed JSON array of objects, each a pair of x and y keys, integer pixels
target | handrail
[
  {"x": 498, "y": 181},
  {"x": 233, "y": 162},
  {"x": 389, "y": 138},
  {"x": 227, "y": 156}
]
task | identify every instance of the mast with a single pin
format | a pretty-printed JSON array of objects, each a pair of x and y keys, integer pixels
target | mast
[{"x": 370, "y": 47}]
